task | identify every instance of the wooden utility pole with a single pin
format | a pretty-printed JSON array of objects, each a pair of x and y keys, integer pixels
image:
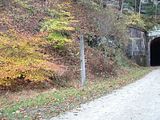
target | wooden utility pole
[{"x": 82, "y": 60}]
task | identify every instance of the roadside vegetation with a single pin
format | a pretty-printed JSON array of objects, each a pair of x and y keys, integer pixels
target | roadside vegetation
[
  {"x": 40, "y": 56},
  {"x": 53, "y": 102},
  {"x": 40, "y": 44}
]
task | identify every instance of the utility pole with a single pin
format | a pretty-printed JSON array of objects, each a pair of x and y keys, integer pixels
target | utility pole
[{"x": 82, "y": 60}]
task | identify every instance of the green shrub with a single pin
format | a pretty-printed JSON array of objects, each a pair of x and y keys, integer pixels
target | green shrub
[
  {"x": 58, "y": 39},
  {"x": 58, "y": 27}
]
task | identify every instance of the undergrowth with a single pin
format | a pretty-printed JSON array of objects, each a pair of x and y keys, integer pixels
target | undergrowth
[
  {"x": 58, "y": 26},
  {"x": 61, "y": 100},
  {"x": 19, "y": 59}
]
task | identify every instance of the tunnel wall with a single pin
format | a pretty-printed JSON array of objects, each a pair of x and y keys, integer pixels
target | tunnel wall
[
  {"x": 137, "y": 52},
  {"x": 140, "y": 60},
  {"x": 137, "y": 46},
  {"x": 138, "y": 49}
]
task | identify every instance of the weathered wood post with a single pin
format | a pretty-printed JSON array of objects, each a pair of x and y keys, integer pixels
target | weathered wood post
[{"x": 82, "y": 60}]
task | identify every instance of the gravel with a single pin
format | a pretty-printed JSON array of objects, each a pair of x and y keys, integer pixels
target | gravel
[{"x": 137, "y": 101}]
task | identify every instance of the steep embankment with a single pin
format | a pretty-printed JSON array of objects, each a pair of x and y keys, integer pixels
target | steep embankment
[
  {"x": 39, "y": 45},
  {"x": 39, "y": 56}
]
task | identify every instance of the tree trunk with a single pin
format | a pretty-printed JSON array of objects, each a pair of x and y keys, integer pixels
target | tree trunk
[
  {"x": 137, "y": 5},
  {"x": 140, "y": 6},
  {"x": 135, "y": 2},
  {"x": 122, "y": 2}
]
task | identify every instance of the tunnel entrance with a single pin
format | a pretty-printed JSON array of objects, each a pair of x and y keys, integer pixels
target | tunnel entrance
[{"x": 155, "y": 52}]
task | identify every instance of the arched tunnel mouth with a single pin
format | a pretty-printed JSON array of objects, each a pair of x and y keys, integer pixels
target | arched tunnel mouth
[{"x": 155, "y": 52}]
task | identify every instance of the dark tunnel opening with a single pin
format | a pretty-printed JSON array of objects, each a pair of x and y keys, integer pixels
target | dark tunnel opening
[{"x": 155, "y": 52}]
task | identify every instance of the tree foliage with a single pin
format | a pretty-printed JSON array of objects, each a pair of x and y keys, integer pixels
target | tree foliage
[{"x": 58, "y": 27}]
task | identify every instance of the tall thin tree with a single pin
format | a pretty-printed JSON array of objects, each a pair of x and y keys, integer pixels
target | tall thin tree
[
  {"x": 121, "y": 5},
  {"x": 140, "y": 7}
]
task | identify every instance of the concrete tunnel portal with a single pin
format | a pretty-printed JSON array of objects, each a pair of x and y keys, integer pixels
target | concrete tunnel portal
[{"x": 155, "y": 52}]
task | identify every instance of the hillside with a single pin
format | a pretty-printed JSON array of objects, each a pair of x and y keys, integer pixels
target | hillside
[
  {"x": 40, "y": 47},
  {"x": 40, "y": 55}
]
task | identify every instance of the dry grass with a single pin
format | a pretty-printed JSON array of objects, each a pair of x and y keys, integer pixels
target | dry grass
[{"x": 52, "y": 102}]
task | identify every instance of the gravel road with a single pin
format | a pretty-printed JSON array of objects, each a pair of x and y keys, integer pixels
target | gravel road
[{"x": 137, "y": 101}]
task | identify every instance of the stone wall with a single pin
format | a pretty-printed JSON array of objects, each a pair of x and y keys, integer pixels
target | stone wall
[{"x": 137, "y": 47}]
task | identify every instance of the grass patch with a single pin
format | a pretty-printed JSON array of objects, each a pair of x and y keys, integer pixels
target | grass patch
[{"x": 53, "y": 103}]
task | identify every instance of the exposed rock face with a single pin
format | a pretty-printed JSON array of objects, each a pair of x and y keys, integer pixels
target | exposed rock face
[{"x": 113, "y": 3}]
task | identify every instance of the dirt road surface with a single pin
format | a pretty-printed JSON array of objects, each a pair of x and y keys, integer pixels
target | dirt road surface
[{"x": 137, "y": 101}]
